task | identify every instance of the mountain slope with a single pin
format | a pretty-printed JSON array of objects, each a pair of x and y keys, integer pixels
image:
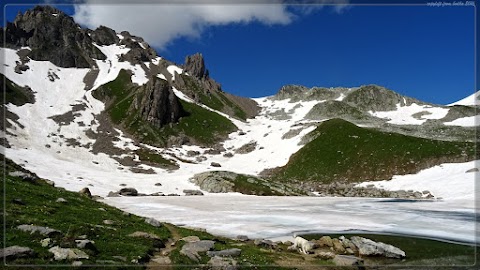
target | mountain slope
[
  {"x": 471, "y": 100},
  {"x": 341, "y": 151},
  {"x": 131, "y": 117}
]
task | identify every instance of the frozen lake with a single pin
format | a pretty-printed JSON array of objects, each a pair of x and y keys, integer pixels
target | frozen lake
[{"x": 279, "y": 217}]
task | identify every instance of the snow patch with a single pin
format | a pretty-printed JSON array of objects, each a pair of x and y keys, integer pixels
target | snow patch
[{"x": 403, "y": 115}]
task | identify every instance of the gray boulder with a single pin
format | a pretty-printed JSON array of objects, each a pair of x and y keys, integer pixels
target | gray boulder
[
  {"x": 215, "y": 164},
  {"x": 14, "y": 252},
  {"x": 472, "y": 170},
  {"x": 67, "y": 253},
  {"x": 23, "y": 175},
  {"x": 146, "y": 235},
  {"x": 338, "y": 246},
  {"x": 325, "y": 241},
  {"x": 246, "y": 148},
  {"x": 325, "y": 255},
  {"x": 192, "y": 249},
  {"x": 221, "y": 263},
  {"x": 264, "y": 243},
  {"x": 192, "y": 192},
  {"x": 191, "y": 238},
  {"x": 233, "y": 252},
  {"x": 86, "y": 191},
  {"x": 215, "y": 182},
  {"x": 128, "y": 192},
  {"x": 46, "y": 231},
  {"x": 153, "y": 222},
  {"x": 367, "y": 247}
]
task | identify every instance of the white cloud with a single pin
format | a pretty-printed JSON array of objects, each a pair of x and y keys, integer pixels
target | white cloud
[{"x": 159, "y": 24}]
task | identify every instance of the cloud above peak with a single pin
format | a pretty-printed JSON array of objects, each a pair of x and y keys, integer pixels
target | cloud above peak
[{"x": 160, "y": 24}]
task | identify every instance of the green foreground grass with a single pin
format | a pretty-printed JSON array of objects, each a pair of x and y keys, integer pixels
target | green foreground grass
[
  {"x": 342, "y": 151},
  {"x": 79, "y": 215}
]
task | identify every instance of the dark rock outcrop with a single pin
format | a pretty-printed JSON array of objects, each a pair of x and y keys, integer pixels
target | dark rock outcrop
[
  {"x": 139, "y": 52},
  {"x": 195, "y": 66},
  {"x": 52, "y": 36},
  {"x": 158, "y": 104},
  {"x": 104, "y": 36}
]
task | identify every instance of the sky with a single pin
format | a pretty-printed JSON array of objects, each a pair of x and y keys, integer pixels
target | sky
[{"x": 422, "y": 51}]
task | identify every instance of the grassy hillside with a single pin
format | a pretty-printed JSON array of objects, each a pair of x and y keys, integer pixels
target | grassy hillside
[
  {"x": 198, "y": 125},
  {"x": 342, "y": 151},
  {"x": 35, "y": 203}
]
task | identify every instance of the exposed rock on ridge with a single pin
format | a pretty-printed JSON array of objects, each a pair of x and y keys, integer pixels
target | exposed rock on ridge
[
  {"x": 52, "y": 36},
  {"x": 158, "y": 104},
  {"x": 201, "y": 88}
]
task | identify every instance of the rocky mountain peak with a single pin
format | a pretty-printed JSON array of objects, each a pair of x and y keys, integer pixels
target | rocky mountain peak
[
  {"x": 158, "y": 105},
  {"x": 52, "y": 36},
  {"x": 377, "y": 98},
  {"x": 195, "y": 66}
]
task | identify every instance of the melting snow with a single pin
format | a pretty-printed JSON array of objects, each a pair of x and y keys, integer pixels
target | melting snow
[
  {"x": 470, "y": 121},
  {"x": 403, "y": 115}
]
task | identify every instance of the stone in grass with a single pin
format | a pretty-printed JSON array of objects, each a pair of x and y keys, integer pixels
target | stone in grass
[
  {"x": 325, "y": 255},
  {"x": 45, "y": 242},
  {"x": 61, "y": 200},
  {"x": 77, "y": 263},
  {"x": 192, "y": 249},
  {"x": 46, "y": 231},
  {"x": 232, "y": 252},
  {"x": 153, "y": 222},
  {"x": 368, "y": 247},
  {"x": 223, "y": 263},
  {"x": 325, "y": 241},
  {"x": 15, "y": 252},
  {"x": 190, "y": 239},
  {"x": 108, "y": 222},
  {"x": 242, "y": 238},
  {"x": 67, "y": 253},
  {"x": 86, "y": 192},
  {"x": 144, "y": 235}
]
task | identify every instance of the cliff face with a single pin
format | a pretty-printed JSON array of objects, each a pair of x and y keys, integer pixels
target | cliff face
[
  {"x": 53, "y": 36},
  {"x": 158, "y": 104}
]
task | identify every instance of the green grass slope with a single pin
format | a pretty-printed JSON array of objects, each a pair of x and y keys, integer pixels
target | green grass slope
[
  {"x": 343, "y": 151},
  {"x": 79, "y": 215}
]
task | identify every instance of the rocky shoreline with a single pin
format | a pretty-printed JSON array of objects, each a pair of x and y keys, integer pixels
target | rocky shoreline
[{"x": 339, "y": 189}]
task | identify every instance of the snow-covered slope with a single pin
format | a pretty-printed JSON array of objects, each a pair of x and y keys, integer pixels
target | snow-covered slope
[
  {"x": 471, "y": 100},
  {"x": 62, "y": 151}
]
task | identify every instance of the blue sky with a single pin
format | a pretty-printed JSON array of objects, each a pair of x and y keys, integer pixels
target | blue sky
[{"x": 420, "y": 51}]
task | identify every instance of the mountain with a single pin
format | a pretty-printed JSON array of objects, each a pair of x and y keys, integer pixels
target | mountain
[
  {"x": 102, "y": 109},
  {"x": 472, "y": 100}
]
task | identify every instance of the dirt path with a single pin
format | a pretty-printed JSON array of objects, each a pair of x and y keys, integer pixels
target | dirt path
[{"x": 161, "y": 260}]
